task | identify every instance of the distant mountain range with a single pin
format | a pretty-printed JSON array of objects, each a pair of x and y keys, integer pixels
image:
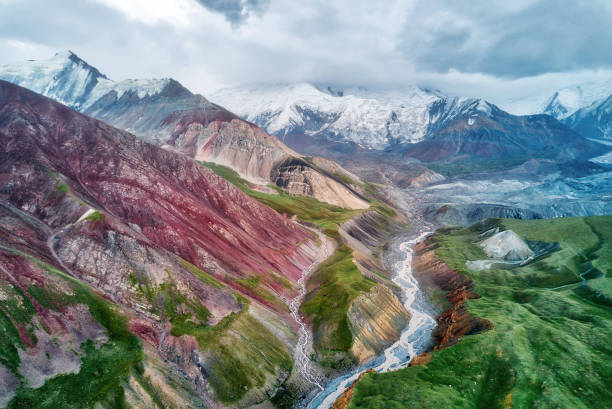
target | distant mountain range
[
  {"x": 414, "y": 122},
  {"x": 347, "y": 124},
  {"x": 583, "y": 106}
]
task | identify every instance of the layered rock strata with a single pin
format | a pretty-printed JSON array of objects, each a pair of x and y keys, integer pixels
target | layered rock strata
[{"x": 376, "y": 320}]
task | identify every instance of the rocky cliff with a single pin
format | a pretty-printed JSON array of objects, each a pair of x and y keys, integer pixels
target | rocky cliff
[
  {"x": 376, "y": 320},
  {"x": 300, "y": 178},
  {"x": 367, "y": 234}
]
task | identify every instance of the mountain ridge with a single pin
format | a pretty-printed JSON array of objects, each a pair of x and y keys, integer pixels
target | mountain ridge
[
  {"x": 411, "y": 121},
  {"x": 164, "y": 112}
]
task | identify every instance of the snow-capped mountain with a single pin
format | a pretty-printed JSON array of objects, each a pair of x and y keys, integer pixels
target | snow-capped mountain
[
  {"x": 68, "y": 79},
  {"x": 413, "y": 121},
  {"x": 585, "y": 108},
  {"x": 475, "y": 129},
  {"x": 566, "y": 101},
  {"x": 593, "y": 121},
  {"x": 371, "y": 119},
  {"x": 419, "y": 123}
]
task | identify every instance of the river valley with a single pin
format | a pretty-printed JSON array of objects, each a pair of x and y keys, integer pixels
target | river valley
[{"x": 415, "y": 338}]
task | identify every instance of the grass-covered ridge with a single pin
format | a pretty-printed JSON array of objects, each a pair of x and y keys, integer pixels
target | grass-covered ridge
[
  {"x": 245, "y": 357},
  {"x": 337, "y": 283},
  {"x": 549, "y": 348}
]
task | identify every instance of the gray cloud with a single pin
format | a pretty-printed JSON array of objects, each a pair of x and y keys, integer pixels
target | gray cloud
[
  {"x": 533, "y": 38},
  {"x": 478, "y": 47},
  {"x": 236, "y": 11}
]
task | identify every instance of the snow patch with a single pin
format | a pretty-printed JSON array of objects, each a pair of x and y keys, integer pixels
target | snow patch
[{"x": 85, "y": 215}]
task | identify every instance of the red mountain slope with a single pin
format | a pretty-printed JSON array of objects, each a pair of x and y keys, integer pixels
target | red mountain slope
[{"x": 165, "y": 239}]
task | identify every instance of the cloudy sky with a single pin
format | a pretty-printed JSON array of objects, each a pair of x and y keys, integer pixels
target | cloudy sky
[{"x": 496, "y": 49}]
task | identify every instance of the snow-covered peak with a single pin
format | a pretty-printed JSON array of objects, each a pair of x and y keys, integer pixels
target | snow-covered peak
[
  {"x": 142, "y": 88},
  {"x": 63, "y": 77},
  {"x": 70, "y": 80},
  {"x": 484, "y": 107},
  {"x": 469, "y": 106},
  {"x": 446, "y": 110},
  {"x": 566, "y": 101},
  {"x": 371, "y": 118}
]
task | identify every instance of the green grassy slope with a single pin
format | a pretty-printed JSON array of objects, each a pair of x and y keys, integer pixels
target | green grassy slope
[
  {"x": 104, "y": 368},
  {"x": 549, "y": 348},
  {"x": 244, "y": 357},
  {"x": 338, "y": 282},
  {"x": 307, "y": 209}
]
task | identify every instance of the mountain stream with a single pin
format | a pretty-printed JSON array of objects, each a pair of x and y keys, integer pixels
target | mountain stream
[{"x": 415, "y": 338}]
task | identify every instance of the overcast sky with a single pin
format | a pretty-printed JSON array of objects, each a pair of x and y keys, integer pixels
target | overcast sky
[{"x": 477, "y": 47}]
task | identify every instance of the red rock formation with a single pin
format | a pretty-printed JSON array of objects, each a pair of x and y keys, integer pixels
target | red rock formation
[
  {"x": 421, "y": 359},
  {"x": 177, "y": 204},
  {"x": 456, "y": 321}
]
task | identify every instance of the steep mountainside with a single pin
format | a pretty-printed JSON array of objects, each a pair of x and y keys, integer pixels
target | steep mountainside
[
  {"x": 165, "y": 113},
  {"x": 186, "y": 257},
  {"x": 479, "y": 130}
]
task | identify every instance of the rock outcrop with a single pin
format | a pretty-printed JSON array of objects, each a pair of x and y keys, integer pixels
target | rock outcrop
[
  {"x": 506, "y": 245},
  {"x": 376, "y": 320},
  {"x": 298, "y": 177},
  {"x": 367, "y": 233}
]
